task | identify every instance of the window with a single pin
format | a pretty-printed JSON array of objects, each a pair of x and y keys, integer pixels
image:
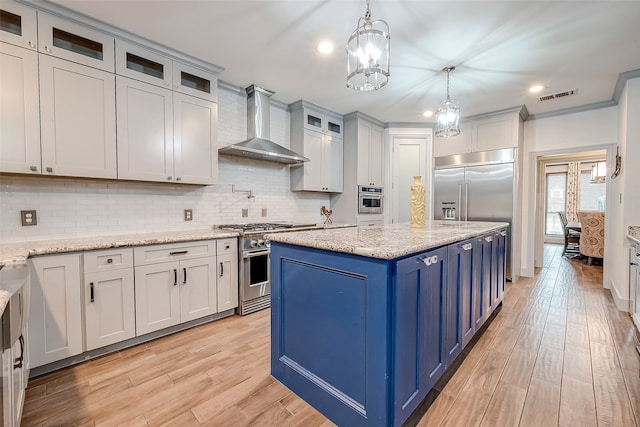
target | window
[
  {"x": 556, "y": 202},
  {"x": 592, "y": 195}
]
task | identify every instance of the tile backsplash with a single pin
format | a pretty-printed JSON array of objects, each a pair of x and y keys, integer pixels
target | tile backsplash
[{"x": 77, "y": 207}]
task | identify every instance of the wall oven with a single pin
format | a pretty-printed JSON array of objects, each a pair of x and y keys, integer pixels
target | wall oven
[{"x": 369, "y": 200}]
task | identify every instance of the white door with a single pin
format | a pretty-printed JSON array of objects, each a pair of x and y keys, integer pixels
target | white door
[
  {"x": 198, "y": 295},
  {"x": 19, "y": 110},
  {"x": 55, "y": 319},
  {"x": 195, "y": 140},
  {"x": 409, "y": 160},
  {"x": 109, "y": 307},
  {"x": 157, "y": 290},
  {"x": 227, "y": 278},
  {"x": 78, "y": 119},
  {"x": 145, "y": 131}
]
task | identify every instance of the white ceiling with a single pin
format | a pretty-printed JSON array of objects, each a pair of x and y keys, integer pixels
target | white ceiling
[{"x": 500, "y": 48}]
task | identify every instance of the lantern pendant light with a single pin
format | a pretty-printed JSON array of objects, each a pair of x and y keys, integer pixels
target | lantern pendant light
[{"x": 448, "y": 114}]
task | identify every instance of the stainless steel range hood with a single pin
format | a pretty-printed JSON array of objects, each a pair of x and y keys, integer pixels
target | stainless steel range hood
[{"x": 259, "y": 146}]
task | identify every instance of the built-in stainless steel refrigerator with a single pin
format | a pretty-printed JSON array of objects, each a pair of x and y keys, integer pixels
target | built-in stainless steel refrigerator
[{"x": 477, "y": 187}]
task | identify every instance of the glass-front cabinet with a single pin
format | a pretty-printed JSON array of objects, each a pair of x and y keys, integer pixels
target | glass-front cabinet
[{"x": 18, "y": 24}]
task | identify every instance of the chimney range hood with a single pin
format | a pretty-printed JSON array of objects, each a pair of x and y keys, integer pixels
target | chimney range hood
[{"x": 258, "y": 145}]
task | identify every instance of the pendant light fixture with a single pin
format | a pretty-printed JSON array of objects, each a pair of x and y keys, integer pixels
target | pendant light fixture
[
  {"x": 448, "y": 114},
  {"x": 368, "y": 54}
]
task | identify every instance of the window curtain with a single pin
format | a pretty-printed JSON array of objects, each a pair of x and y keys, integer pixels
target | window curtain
[{"x": 573, "y": 183}]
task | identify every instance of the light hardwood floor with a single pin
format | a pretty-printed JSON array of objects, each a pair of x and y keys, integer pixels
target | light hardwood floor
[{"x": 558, "y": 353}]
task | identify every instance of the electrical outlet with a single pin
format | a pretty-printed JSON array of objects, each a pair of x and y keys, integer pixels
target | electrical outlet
[
  {"x": 264, "y": 212},
  {"x": 188, "y": 214},
  {"x": 245, "y": 213},
  {"x": 29, "y": 218}
]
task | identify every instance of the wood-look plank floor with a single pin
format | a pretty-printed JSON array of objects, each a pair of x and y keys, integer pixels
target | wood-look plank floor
[{"x": 559, "y": 353}]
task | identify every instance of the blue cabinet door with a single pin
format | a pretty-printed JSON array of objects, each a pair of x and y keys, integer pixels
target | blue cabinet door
[
  {"x": 418, "y": 326},
  {"x": 484, "y": 280},
  {"x": 459, "y": 314},
  {"x": 501, "y": 264}
]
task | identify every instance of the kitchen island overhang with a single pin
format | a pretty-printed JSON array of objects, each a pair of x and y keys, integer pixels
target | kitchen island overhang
[{"x": 364, "y": 321}]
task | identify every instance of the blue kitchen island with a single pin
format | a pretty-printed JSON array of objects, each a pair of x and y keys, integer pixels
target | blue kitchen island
[{"x": 365, "y": 320}]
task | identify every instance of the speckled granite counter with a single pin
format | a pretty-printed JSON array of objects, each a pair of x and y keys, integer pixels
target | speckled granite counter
[
  {"x": 16, "y": 254},
  {"x": 634, "y": 233},
  {"x": 388, "y": 241}
]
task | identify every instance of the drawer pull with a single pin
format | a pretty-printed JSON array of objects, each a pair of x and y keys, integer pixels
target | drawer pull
[
  {"x": 184, "y": 275},
  {"x": 178, "y": 253},
  {"x": 467, "y": 246},
  {"x": 175, "y": 277},
  {"x": 221, "y": 269},
  {"x": 109, "y": 260},
  {"x": 18, "y": 360},
  {"x": 91, "y": 294},
  {"x": 503, "y": 233},
  {"x": 430, "y": 260},
  {"x": 489, "y": 239}
]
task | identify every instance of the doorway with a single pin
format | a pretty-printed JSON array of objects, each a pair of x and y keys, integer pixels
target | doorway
[
  {"x": 409, "y": 160},
  {"x": 568, "y": 183}
]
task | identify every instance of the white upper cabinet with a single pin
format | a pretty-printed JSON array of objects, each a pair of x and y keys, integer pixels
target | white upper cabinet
[
  {"x": 18, "y": 25},
  {"x": 74, "y": 42},
  {"x": 491, "y": 133},
  {"x": 19, "y": 110},
  {"x": 77, "y": 107},
  {"x": 145, "y": 131},
  {"x": 135, "y": 61},
  {"x": 317, "y": 135},
  {"x": 195, "y": 140},
  {"x": 370, "y": 158},
  {"x": 195, "y": 81}
]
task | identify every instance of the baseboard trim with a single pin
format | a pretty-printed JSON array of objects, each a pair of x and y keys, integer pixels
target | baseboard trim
[
  {"x": 622, "y": 304},
  {"x": 527, "y": 272}
]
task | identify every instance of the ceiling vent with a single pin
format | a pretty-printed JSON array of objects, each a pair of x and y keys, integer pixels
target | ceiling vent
[{"x": 558, "y": 95}]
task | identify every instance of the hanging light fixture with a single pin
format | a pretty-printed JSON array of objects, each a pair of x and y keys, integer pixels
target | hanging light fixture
[
  {"x": 448, "y": 114},
  {"x": 368, "y": 54},
  {"x": 598, "y": 172}
]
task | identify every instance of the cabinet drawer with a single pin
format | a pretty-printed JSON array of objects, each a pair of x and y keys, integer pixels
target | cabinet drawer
[
  {"x": 227, "y": 246},
  {"x": 173, "y": 252},
  {"x": 96, "y": 261}
]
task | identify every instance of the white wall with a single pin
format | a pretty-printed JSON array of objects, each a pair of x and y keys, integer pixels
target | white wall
[
  {"x": 68, "y": 207},
  {"x": 570, "y": 133}
]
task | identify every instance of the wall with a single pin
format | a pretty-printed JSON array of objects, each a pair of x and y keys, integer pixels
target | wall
[
  {"x": 68, "y": 207},
  {"x": 569, "y": 133}
]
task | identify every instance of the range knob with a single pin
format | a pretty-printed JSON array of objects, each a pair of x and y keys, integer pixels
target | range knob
[
  {"x": 254, "y": 243},
  {"x": 260, "y": 242}
]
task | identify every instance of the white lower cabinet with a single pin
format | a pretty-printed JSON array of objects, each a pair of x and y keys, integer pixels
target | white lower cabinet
[
  {"x": 172, "y": 292},
  {"x": 227, "y": 274},
  {"x": 55, "y": 316},
  {"x": 109, "y": 297}
]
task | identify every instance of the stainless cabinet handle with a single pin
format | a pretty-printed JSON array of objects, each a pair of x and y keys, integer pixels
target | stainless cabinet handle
[
  {"x": 467, "y": 246},
  {"x": 109, "y": 260},
  {"x": 430, "y": 260},
  {"x": 175, "y": 277},
  {"x": 91, "y": 294},
  {"x": 178, "y": 253},
  {"x": 169, "y": 178},
  {"x": 184, "y": 276},
  {"x": 221, "y": 269},
  {"x": 178, "y": 178},
  {"x": 33, "y": 168},
  {"x": 503, "y": 233},
  {"x": 50, "y": 169},
  {"x": 489, "y": 238}
]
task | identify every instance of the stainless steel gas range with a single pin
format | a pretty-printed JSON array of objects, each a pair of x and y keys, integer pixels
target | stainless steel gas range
[{"x": 253, "y": 262}]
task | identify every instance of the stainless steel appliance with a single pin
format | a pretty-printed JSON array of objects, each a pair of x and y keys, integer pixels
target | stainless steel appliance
[
  {"x": 476, "y": 187},
  {"x": 369, "y": 200},
  {"x": 253, "y": 262}
]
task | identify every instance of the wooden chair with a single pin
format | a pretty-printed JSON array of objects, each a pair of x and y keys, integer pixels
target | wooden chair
[
  {"x": 592, "y": 235},
  {"x": 571, "y": 238}
]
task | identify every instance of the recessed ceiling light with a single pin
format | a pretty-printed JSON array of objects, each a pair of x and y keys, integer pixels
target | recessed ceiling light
[
  {"x": 325, "y": 47},
  {"x": 428, "y": 113},
  {"x": 536, "y": 88}
]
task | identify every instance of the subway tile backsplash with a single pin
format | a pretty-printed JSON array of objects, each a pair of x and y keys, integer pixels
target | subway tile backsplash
[{"x": 70, "y": 207}]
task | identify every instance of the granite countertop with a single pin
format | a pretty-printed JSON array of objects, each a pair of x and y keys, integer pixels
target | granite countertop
[
  {"x": 11, "y": 281},
  {"x": 16, "y": 254},
  {"x": 634, "y": 233},
  {"x": 388, "y": 241}
]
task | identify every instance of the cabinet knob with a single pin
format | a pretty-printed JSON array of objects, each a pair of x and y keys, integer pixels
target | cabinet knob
[
  {"x": 50, "y": 169},
  {"x": 169, "y": 178},
  {"x": 47, "y": 49},
  {"x": 33, "y": 168},
  {"x": 31, "y": 44},
  {"x": 178, "y": 178}
]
